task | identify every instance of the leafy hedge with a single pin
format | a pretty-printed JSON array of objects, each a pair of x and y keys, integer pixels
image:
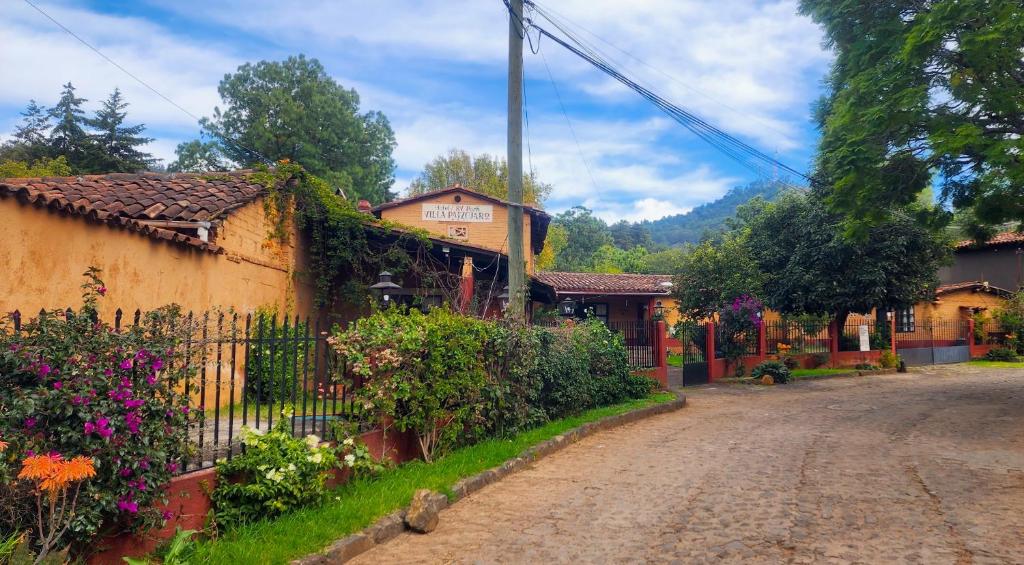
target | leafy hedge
[{"x": 453, "y": 379}]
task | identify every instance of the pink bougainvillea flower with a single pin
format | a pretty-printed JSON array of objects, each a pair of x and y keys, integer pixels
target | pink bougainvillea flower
[
  {"x": 158, "y": 364},
  {"x": 125, "y": 472},
  {"x": 44, "y": 370},
  {"x": 166, "y": 515},
  {"x": 108, "y": 372},
  {"x": 126, "y": 364},
  {"x": 126, "y": 504},
  {"x": 101, "y": 290},
  {"x": 57, "y": 385},
  {"x": 131, "y": 404},
  {"x": 89, "y": 428},
  {"x": 30, "y": 423}
]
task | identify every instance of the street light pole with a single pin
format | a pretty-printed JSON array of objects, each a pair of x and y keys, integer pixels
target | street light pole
[{"x": 516, "y": 259}]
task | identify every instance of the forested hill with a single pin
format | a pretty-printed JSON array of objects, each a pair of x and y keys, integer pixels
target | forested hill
[{"x": 710, "y": 217}]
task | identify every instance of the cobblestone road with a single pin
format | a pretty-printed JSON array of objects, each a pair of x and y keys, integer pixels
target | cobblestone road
[{"x": 920, "y": 468}]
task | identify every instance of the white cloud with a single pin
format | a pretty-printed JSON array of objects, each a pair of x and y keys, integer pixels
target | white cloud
[{"x": 749, "y": 67}]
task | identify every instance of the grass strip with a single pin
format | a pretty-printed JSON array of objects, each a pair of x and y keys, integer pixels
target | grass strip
[
  {"x": 355, "y": 505},
  {"x": 804, "y": 373},
  {"x": 997, "y": 364}
]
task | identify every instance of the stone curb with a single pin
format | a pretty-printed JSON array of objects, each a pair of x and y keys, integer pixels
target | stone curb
[{"x": 390, "y": 526}]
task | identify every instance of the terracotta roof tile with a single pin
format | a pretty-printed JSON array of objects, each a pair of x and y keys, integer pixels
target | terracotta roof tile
[
  {"x": 600, "y": 283},
  {"x": 999, "y": 239},
  {"x": 126, "y": 200},
  {"x": 971, "y": 285}
]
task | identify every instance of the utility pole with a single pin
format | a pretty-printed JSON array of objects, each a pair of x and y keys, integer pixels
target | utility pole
[{"x": 516, "y": 259}]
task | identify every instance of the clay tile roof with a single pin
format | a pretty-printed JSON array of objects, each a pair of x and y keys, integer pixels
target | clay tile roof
[
  {"x": 128, "y": 200},
  {"x": 1003, "y": 238},
  {"x": 600, "y": 283},
  {"x": 979, "y": 286}
]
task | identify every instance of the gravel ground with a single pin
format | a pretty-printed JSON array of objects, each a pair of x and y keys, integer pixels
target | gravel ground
[{"x": 926, "y": 467}]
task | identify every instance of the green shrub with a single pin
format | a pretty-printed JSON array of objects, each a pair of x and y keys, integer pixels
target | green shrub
[
  {"x": 513, "y": 392},
  {"x": 774, "y": 369},
  {"x": 275, "y": 474},
  {"x": 1001, "y": 354},
  {"x": 889, "y": 360},
  {"x": 819, "y": 360},
  {"x": 71, "y": 384},
  {"x": 865, "y": 367},
  {"x": 424, "y": 372},
  {"x": 275, "y": 359},
  {"x": 790, "y": 362}
]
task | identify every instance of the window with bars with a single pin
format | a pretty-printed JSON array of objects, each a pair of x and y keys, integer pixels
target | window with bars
[{"x": 905, "y": 320}]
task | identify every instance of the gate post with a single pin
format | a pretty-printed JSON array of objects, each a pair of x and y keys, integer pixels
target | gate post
[
  {"x": 709, "y": 355},
  {"x": 892, "y": 333},
  {"x": 833, "y": 342},
  {"x": 970, "y": 338},
  {"x": 762, "y": 342}
]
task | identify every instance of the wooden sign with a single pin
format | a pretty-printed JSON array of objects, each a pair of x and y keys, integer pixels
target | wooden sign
[{"x": 458, "y": 213}]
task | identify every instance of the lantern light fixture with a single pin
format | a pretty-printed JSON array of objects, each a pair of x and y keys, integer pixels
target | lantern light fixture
[
  {"x": 385, "y": 287},
  {"x": 567, "y": 307}
]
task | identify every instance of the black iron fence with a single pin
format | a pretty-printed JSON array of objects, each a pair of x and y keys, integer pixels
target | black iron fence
[
  {"x": 253, "y": 371},
  {"x": 747, "y": 342},
  {"x": 791, "y": 337},
  {"x": 640, "y": 338}
]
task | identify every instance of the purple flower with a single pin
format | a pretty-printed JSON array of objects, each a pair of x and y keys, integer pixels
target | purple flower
[
  {"x": 184, "y": 409},
  {"x": 126, "y": 504},
  {"x": 44, "y": 370},
  {"x": 57, "y": 385},
  {"x": 158, "y": 364},
  {"x": 108, "y": 372},
  {"x": 78, "y": 401},
  {"x": 132, "y": 404},
  {"x": 151, "y": 380},
  {"x": 89, "y": 428},
  {"x": 101, "y": 290},
  {"x": 172, "y": 467},
  {"x": 166, "y": 515},
  {"x": 144, "y": 464},
  {"x": 142, "y": 354},
  {"x": 126, "y": 364},
  {"x": 30, "y": 423},
  {"x": 133, "y": 420},
  {"x": 126, "y": 472}
]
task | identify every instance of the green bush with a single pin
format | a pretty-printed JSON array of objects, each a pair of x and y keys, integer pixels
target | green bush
[
  {"x": 514, "y": 387},
  {"x": 889, "y": 360},
  {"x": 1001, "y": 354},
  {"x": 276, "y": 473},
  {"x": 774, "y": 369},
  {"x": 819, "y": 360},
  {"x": 274, "y": 357},
  {"x": 72, "y": 385},
  {"x": 424, "y": 372}
]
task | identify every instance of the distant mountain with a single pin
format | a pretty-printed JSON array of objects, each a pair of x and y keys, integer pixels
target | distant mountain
[{"x": 708, "y": 218}]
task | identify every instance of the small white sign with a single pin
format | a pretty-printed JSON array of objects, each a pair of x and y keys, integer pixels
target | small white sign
[
  {"x": 865, "y": 340},
  {"x": 458, "y": 212}
]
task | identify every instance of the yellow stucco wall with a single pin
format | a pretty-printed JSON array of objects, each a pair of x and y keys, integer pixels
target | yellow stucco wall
[
  {"x": 491, "y": 235},
  {"x": 44, "y": 254}
]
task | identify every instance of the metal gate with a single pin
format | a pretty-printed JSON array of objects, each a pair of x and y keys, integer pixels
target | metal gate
[
  {"x": 695, "y": 363},
  {"x": 933, "y": 342}
]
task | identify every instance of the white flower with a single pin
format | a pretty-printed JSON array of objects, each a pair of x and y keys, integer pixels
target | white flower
[
  {"x": 291, "y": 466},
  {"x": 315, "y": 458},
  {"x": 274, "y": 475},
  {"x": 287, "y": 412},
  {"x": 248, "y": 435},
  {"x": 312, "y": 441},
  {"x": 350, "y": 460},
  {"x": 349, "y": 441}
]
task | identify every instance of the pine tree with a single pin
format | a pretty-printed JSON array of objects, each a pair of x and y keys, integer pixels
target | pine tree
[
  {"x": 117, "y": 143},
  {"x": 68, "y": 137},
  {"x": 28, "y": 143}
]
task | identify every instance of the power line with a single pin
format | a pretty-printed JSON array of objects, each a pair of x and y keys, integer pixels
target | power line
[
  {"x": 741, "y": 152},
  {"x": 547, "y": 13},
  {"x": 568, "y": 121},
  {"x": 81, "y": 40}
]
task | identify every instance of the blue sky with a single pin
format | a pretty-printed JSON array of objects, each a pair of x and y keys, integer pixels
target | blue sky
[{"x": 437, "y": 70}]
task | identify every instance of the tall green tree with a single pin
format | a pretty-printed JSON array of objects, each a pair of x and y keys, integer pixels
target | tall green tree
[
  {"x": 484, "y": 173},
  {"x": 29, "y": 141},
  {"x": 628, "y": 235},
  {"x": 811, "y": 267},
  {"x": 713, "y": 273},
  {"x": 197, "y": 156},
  {"x": 118, "y": 143},
  {"x": 294, "y": 110},
  {"x": 923, "y": 90},
  {"x": 612, "y": 259},
  {"x": 68, "y": 136},
  {"x": 585, "y": 234}
]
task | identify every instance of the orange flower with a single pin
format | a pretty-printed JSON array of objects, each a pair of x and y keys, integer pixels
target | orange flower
[
  {"x": 54, "y": 473},
  {"x": 3, "y": 445},
  {"x": 38, "y": 467}
]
